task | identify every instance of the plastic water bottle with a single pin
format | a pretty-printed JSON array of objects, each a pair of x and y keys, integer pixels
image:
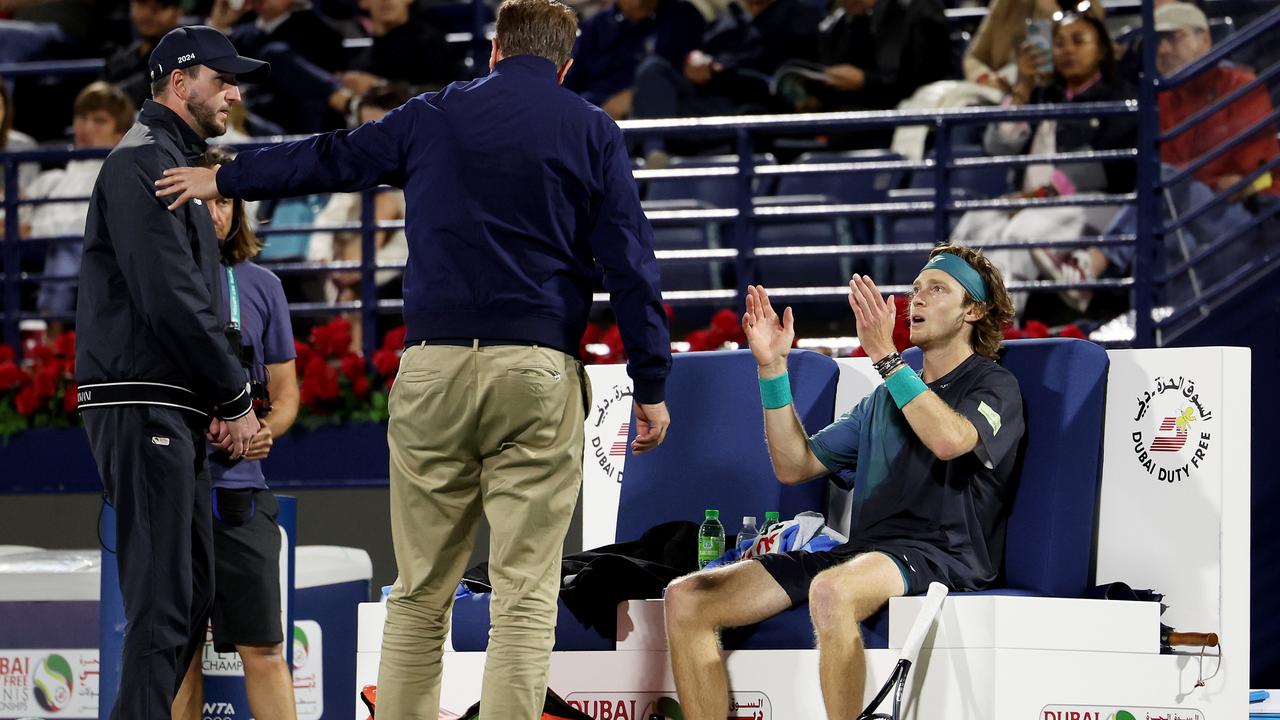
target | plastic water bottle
[
  {"x": 770, "y": 519},
  {"x": 710, "y": 539},
  {"x": 749, "y": 533}
]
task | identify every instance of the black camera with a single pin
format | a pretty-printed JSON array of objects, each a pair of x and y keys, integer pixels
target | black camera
[{"x": 258, "y": 390}]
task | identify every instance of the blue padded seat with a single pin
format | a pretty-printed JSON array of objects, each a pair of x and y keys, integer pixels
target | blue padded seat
[
  {"x": 913, "y": 228},
  {"x": 717, "y": 191},
  {"x": 717, "y": 459},
  {"x": 984, "y": 182},
  {"x": 1049, "y": 542}
]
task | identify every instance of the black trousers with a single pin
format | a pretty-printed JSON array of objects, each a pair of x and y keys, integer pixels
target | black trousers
[{"x": 152, "y": 462}]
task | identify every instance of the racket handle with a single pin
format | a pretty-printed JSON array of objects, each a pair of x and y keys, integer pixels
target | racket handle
[{"x": 1193, "y": 639}]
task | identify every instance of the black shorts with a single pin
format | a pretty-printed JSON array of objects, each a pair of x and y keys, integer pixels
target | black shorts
[
  {"x": 246, "y": 561},
  {"x": 794, "y": 571}
]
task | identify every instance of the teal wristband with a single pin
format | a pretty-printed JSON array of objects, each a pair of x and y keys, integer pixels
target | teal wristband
[
  {"x": 775, "y": 392},
  {"x": 904, "y": 386}
]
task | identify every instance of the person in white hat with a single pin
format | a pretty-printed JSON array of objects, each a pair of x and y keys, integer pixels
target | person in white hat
[
  {"x": 1183, "y": 33},
  {"x": 1182, "y": 37}
]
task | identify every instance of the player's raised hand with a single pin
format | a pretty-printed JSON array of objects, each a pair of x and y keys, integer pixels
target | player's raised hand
[
  {"x": 875, "y": 317},
  {"x": 769, "y": 334}
]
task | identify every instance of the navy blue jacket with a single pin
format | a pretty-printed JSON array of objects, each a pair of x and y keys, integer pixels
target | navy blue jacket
[
  {"x": 514, "y": 187},
  {"x": 611, "y": 47}
]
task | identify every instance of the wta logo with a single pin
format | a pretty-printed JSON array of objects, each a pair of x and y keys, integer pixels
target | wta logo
[{"x": 52, "y": 683}]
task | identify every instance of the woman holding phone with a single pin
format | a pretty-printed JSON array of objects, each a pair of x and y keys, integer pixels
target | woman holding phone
[
  {"x": 991, "y": 58},
  {"x": 1084, "y": 70}
]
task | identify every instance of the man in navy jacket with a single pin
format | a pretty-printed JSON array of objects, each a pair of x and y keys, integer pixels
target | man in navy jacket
[
  {"x": 154, "y": 365},
  {"x": 515, "y": 187}
]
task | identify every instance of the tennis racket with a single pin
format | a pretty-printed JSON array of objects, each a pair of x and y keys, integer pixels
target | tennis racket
[{"x": 897, "y": 681}]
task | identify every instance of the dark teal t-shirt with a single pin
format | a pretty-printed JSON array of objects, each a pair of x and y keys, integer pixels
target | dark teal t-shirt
[{"x": 903, "y": 494}]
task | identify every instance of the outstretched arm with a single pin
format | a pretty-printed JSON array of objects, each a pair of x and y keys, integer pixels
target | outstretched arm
[
  {"x": 770, "y": 337},
  {"x": 340, "y": 161}
]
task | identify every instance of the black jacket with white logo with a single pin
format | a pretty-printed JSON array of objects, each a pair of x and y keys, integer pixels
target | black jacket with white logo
[{"x": 148, "y": 319}]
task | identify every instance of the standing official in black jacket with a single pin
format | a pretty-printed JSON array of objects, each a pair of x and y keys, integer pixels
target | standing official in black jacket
[{"x": 155, "y": 367}]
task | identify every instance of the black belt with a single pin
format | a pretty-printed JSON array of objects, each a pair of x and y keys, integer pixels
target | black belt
[{"x": 470, "y": 342}]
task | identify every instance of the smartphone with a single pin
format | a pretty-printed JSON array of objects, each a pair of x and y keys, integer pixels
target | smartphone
[{"x": 1040, "y": 35}]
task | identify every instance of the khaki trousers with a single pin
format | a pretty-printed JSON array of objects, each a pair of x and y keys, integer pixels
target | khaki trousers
[{"x": 476, "y": 429}]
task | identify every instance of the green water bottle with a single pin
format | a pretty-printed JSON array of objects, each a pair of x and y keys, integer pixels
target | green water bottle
[
  {"x": 710, "y": 539},
  {"x": 770, "y": 519}
]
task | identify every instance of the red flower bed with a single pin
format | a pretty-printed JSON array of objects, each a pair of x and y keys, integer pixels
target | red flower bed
[
  {"x": 336, "y": 384},
  {"x": 41, "y": 393}
]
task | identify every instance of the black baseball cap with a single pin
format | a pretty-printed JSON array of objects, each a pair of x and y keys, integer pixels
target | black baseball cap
[{"x": 202, "y": 45}]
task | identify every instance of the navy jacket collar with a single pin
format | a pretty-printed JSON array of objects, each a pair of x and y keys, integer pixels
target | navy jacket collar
[
  {"x": 158, "y": 117},
  {"x": 531, "y": 66}
]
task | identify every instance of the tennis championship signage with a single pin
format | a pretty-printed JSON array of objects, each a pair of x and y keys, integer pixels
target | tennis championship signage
[{"x": 1170, "y": 431}]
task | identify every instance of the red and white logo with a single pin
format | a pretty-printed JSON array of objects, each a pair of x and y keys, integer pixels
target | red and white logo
[{"x": 1171, "y": 436}]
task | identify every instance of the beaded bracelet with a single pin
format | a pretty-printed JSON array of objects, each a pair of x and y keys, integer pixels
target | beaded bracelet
[{"x": 888, "y": 364}]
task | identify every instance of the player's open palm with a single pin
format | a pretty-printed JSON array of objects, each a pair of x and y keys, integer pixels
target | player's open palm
[{"x": 769, "y": 334}]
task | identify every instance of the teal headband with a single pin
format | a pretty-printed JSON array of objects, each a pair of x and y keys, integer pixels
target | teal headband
[{"x": 963, "y": 272}]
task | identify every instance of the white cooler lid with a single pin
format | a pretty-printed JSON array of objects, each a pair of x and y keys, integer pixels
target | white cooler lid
[
  {"x": 50, "y": 575},
  {"x": 329, "y": 565}
]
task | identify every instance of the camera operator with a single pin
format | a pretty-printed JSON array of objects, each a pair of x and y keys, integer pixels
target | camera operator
[{"x": 246, "y": 540}]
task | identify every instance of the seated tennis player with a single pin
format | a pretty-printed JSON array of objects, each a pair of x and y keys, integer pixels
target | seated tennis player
[{"x": 929, "y": 459}]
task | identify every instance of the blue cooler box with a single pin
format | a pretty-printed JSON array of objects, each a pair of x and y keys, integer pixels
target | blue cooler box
[
  {"x": 49, "y": 632},
  {"x": 329, "y": 584}
]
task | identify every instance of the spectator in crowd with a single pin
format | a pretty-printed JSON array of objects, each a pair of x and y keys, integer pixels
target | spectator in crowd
[
  {"x": 126, "y": 68},
  {"x": 878, "y": 52},
  {"x": 305, "y": 50},
  {"x": 11, "y": 139},
  {"x": 102, "y": 114},
  {"x": 1084, "y": 70},
  {"x": 246, "y": 539},
  {"x": 617, "y": 39},
  {"x": 392, "y": 245},
  {"x": 1129, "y": 41},
  {"x": 731, "y": 71},
  {"x": 1183, "y": 32},
  {"x": 992, "y": 55},
  {"x": 405, "y": 49},
  {"x": 287, "y": 22},
  {"x": 40, "y": 29}
]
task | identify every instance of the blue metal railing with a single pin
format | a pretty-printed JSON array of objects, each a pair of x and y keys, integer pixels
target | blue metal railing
[
  {"x": 745, "y": 216},
  {"x": 1149, "y": 172}
]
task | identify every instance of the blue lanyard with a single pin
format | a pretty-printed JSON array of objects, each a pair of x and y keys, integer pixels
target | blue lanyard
[{"x": 233, "y": 297}]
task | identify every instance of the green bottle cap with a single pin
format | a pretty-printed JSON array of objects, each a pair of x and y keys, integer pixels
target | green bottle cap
[
  {"x": 770, "y": 518},
  {"x": 713, "y": 514}
]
